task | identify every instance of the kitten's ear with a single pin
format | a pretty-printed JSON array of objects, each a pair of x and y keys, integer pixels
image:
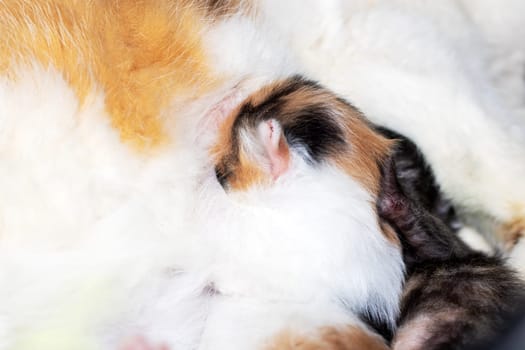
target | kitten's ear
[{"x": 277, "y": 152}]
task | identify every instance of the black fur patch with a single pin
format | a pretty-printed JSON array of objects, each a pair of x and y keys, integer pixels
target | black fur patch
[
  {"x": 467, "y": 296},
  {"x": 314, "y": 129},
  {"x": 381, "y": 327},
  {"x": 416, "y": 178},
  {"x": 311, "y": 127}
]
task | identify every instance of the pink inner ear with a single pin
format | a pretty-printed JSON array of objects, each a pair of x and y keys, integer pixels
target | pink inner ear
[{"x": 276, "y": 148}]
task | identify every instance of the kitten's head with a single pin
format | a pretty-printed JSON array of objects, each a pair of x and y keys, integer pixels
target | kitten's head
[
  {"x": 295, "y": 122},
  {"x": 302, "y": 169}
]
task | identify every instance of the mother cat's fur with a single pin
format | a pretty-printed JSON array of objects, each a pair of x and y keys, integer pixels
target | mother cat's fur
[
  {"x": 106, "y": 109},
  {"x": 113, "y": 223}
]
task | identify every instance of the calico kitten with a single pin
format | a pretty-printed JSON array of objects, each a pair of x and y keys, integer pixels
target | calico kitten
[
  {"x": 454, "y": 297},
  {"x": 298, "y": 148},
  {"x": 437, "y": 72},
  {"x": 104, "y": 179},
  {"x": 299, "y": 255}
]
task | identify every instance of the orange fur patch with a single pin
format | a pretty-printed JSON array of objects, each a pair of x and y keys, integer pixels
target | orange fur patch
[
  {"x": 389, "y": 233},
  {"x": 140, "y": 53},
  {"x": 348, "y": 338},
  {"x": 223, "y": 145},
  {"x": 367, "y": 148},
  {"x": 512, "y": 231},
  {"x": 367, "y": 151},
  {"x": 360, "y": 156},
  {"x": 246, "y": 172}
]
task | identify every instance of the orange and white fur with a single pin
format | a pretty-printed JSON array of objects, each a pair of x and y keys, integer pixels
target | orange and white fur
[
  {"x": 113, "y": 224},
  {"x": 107, "y": 112}
]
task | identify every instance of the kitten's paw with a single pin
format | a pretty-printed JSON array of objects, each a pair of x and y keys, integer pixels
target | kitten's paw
[{"x": 139, "y": 343}]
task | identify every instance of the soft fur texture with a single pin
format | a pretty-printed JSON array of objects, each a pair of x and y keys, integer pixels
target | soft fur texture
[
  {"x": 296, "y": 113},
  {"x": 454, "y": 297},
  {"x": 107, "y": 111},
  {"x": 427, "y": 71},
  {"x": 111, "y": 230}
]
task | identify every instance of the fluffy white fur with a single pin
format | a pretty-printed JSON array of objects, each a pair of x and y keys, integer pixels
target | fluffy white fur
[
  {"x": 98, "y": 244},
  {"x": 77, "y": 207},
  {"x": 101, "y": 246},
  {"x": 447, "y": 74},
  {"x": 287, "y": 257}
]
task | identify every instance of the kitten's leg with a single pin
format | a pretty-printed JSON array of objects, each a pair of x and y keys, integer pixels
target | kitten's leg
[{"x": 416, "y": 333}]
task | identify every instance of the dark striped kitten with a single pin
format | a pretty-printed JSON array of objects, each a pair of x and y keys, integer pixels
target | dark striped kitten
[
  {"x": 417, "y": 181},
  {"x": 454, "y": 297}
]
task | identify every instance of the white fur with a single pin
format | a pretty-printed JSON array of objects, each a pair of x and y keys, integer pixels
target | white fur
[
  {"x": 302, "y": 254},
  {"x": 475, "y": 240},
  {"x": 447, "y": 74},
  {"x": 97, "y": 243},
  {"x": 517, "y": 257},
  {"x": 77, "y": 207}
]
